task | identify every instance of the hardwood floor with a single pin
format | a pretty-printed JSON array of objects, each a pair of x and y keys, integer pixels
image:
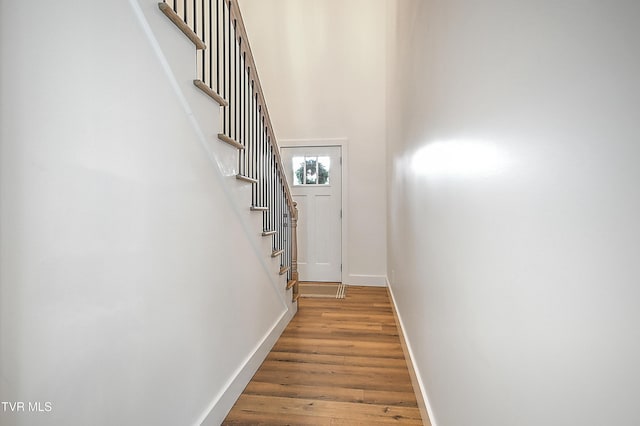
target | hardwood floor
[{"x": 339, "y": 362}]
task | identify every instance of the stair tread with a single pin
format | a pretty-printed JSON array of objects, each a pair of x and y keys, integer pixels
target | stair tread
[
  {"x": 246, "y": 178},
  {"x": 210, "y": 92},
  {"x": 232, "y": 142},
  {"x": 284, "y": 269},
  {"x": 182, "y": 26}
]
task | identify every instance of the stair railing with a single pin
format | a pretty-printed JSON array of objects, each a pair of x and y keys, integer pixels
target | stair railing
[{"x": 227, "y": 72}]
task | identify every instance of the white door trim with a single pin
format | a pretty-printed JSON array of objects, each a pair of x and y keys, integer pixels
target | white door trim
[{"x": 343, "y": 144}]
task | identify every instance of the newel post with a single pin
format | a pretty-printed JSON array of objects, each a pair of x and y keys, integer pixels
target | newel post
[{"x": 294, "y": 250}]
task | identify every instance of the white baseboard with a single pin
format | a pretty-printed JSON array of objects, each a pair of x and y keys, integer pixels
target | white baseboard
[
  {"x": 222, "y": 404},
  {"x": 416, "y": 380},
  {"x": 367, "y": 280}
]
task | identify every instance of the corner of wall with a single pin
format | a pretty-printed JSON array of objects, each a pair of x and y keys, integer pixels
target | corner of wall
[
  {"x": 426, "y": 412},
  {"x": 224, "y": 401}
]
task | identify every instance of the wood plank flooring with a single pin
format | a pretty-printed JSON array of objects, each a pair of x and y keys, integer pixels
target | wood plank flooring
[{"x": 339, "y": 362}]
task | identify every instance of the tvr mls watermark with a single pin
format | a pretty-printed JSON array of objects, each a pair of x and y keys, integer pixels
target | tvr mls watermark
[{"x": 27, "y": 407}]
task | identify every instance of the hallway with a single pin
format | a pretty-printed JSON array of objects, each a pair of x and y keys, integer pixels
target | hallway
[{"x": 338, "y": 362}]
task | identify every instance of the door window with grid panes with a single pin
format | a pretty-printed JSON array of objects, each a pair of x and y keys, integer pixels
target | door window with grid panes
[{"x": 311, "y": 170}]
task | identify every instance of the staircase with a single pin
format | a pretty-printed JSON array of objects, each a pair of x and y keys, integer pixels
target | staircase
[{"x": 226, "y": 73}]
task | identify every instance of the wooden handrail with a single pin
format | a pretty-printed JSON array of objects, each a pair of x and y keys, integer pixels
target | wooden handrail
[{"x": 241, "y": 32}]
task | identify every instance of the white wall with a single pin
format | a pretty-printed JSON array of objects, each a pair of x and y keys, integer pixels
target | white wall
[
  {"x": 321, "y": 63},
  {"x": 130, "y": 290},
  {"x": 513, "y": 208}
]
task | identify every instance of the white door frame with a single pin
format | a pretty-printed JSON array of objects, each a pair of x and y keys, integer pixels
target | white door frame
[{"x": 343, "y": 144}]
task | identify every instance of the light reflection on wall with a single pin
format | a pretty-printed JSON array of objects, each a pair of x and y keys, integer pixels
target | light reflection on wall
[{"x": 459, "y": 158}]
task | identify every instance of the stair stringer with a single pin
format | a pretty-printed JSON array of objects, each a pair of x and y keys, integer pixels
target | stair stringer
[{"x": 176, "y": 55}]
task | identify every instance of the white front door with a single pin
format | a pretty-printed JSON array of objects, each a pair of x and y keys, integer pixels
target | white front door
[{"x": 315, "y": 177}]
